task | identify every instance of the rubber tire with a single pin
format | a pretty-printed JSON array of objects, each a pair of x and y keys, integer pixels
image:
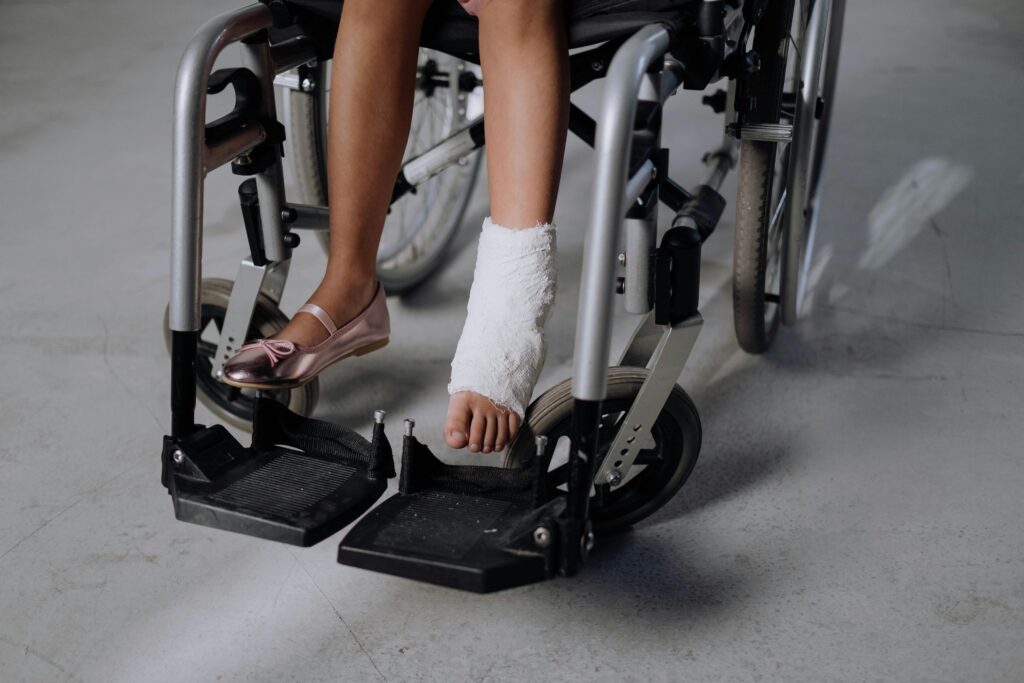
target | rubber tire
[
  {"x": 267, "y": 320},
  {"x": 551, "y": 414},
  {"x": 754, "y": 201},
  {"x": 755, "y": 329}
]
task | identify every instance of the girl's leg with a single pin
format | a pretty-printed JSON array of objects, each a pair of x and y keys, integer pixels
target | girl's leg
[
  {"x": 525, "y": 64},
  {"x": 372, "y": 89}
]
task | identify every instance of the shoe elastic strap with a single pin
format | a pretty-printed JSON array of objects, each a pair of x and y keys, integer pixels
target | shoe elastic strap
[{"x": 321, "y": 315}]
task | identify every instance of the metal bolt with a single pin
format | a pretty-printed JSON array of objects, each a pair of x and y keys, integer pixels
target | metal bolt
[
  {"x": 542, "y": 537},
  {"x": 307, "y": 84},
  {"x": 220, "y": 374},
  {"x": 588, "y": 542},
  {"x": 378, "y": 416},
  {"x": 540, "y": 444},
  {"x": 178, "y": 457},
  {"x": 622, "y": 259},
  {"x": 409, "y": 424},
  {"x": 614, "y": 477},
  {"x": 597, "y": 66}
]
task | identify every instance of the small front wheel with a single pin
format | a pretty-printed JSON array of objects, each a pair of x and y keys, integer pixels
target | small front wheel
[
  {"x": 231, "y": 404},
  {"x": 657, "y": 474}
]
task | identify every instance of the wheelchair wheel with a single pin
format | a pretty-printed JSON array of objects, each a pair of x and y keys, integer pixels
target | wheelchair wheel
[
  {"x": 762, "y": 198},
  {"x": 813, "y": 105},
  {"x": 657, "y": 474},
  {"x": 422, "y": 224},
  {"x": 231, "y": 404}
]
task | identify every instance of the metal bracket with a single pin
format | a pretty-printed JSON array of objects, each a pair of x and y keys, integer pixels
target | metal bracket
[
  {"x": 665, "y": 362},
  {"x": 251, "y": 281}
]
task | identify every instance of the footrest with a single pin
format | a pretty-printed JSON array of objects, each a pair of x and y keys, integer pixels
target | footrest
[
  {"x": 301, "y": 481},
  {"x": 480, "y": 529}
]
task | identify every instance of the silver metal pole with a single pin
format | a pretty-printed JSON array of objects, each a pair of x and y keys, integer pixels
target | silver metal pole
[
  {"x": 187, "y": 155},
  {"x": 613, "y": 138}
]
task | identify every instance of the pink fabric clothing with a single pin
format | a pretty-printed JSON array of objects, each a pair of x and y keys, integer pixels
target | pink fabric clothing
[{"x": 473, "y": 6}]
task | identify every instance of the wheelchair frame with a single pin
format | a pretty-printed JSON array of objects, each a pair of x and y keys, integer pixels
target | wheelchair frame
[{"x": 661, "y": 282}]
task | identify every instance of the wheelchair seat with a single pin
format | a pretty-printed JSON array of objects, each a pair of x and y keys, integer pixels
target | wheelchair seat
[{"x": 450, "y": 29}]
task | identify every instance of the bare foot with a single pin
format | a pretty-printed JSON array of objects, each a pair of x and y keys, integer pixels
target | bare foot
[
  {"x": 343, "y": 301},
  {"x": 475, "y": 421}
]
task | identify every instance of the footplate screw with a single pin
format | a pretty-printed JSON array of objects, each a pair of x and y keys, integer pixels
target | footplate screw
[
  {"x": 378, "y": 416},
  {"x": 540, "y": 444},
  {"x": 409, "y": 424},
  {"x": 178, "y": 457},
  {"x": 614, "y": 477},
  {"x": 542, "y": 537}
]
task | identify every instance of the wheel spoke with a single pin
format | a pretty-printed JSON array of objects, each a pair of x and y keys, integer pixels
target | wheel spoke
[{"x": 773, "y": 227}]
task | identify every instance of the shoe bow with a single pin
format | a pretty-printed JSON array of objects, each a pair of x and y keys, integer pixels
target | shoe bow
[{"x": 276, "y": 349}]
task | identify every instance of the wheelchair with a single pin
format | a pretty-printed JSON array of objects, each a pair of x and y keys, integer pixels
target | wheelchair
[{"x": 596, "y": 453}]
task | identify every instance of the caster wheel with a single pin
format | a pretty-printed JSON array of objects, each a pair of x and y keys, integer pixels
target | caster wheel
[
  {"x": 657, "y": 474},
  {"x": 231, "y": 404}
]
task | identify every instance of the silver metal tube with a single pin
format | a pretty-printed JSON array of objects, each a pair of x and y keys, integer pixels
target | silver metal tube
[
  {"x": 611, "y": 148},
  {"x": 671, "y": 78},
  {"x": 720, "y": 162},
  {"x": 187, "y": 156},
  {"x": 224, "y": 152},
  {"x": 636, "y": 185},
  {"x": 292, "y": 53},
  {"x": 440, "y": 156},
  {"x": 308, "y": 217}
]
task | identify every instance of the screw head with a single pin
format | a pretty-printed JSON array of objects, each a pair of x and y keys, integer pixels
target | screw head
[
  {"x": 378, "y": 416},
  {"x": 178, "y": 457},
  {"x": 614, "y": 477},
  {"x": 597, "y": 66},
  {"x": 622, "y": 259},
  {"x": 542, "y": 537},
  {"x": 307, "y": 84}
]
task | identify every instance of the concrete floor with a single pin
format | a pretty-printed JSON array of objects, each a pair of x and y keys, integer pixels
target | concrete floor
[{"x": 856, "y": 512}]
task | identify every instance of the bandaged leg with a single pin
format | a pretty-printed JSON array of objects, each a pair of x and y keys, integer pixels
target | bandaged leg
[{"x": 502, "y": 347}]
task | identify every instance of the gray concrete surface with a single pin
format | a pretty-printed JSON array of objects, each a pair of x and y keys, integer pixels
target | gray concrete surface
[{"x": 856, "y": 512}]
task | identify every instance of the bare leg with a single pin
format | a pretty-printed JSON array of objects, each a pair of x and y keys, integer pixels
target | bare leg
[
  {"x": 525, "y": 64},
  {"x": 372, "y": 88}
]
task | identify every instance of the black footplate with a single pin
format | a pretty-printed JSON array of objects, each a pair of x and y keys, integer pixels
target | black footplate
[
  {"x": 480, "y": 529},
  {"x": 301, "y": 481}
]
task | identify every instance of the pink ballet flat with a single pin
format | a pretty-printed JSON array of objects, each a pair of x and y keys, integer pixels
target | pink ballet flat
[{"x": 282, "y": 364}]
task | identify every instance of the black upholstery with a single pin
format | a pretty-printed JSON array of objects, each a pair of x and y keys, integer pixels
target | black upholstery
[{"x": 450, "y": 29}]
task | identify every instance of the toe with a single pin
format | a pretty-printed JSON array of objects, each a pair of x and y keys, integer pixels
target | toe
[
  {"x": 490, "y": 432},
  {"x": 502, "y": 438},
  {"x": 456, "y": 427},
  {"x": 476, "y": 431},
  {"x": 513, "y": 425}
]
